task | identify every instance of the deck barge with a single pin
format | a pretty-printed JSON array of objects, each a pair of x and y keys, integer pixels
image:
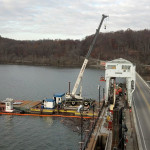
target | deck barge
[{"x": 34, "y": 107}]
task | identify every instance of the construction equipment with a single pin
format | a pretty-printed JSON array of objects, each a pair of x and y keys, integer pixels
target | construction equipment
[
  {"x": 120, "y": 68},
  {"x": 73, "y": 97}
]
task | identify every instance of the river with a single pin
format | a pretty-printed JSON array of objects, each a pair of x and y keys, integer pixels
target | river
[{"x": 35, "y": 83}]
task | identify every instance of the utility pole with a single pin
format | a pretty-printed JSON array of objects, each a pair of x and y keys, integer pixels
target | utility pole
[
  {"x": 103, "y": 93},
  {"x": 93, "y": 110},
  {"x": 81, "y": 113},
  {"x": 99, "y": 94},
  {"x": 81, "y": 109}
]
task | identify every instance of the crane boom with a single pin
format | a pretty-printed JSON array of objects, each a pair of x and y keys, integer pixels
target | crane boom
[{"x": 86, "y": 58}]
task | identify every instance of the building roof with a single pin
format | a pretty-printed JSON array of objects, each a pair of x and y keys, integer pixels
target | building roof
[
  {"x": 120, "y": 60},
  {"x": 49, "y": 100},
  {"x": 7, "y": 100},
  {"x": 59, "y": 94}
]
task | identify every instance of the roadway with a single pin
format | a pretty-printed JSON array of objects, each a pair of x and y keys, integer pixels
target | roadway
[{"x": 141, "y": 99}]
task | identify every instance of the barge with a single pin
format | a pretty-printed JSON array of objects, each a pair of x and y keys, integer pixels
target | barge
[{"x": 49, "y": 107}]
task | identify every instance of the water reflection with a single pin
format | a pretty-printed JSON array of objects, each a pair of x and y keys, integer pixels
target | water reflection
[
  {"x": 9, "y": 121},
  {"x": 48, "y": 120}
]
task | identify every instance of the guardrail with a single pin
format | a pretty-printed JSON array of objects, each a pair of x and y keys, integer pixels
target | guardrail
[
  {"x": 136, "y": 126},
  {"x": 143, "y": 80},
  {"x": 108, "y": 140}
]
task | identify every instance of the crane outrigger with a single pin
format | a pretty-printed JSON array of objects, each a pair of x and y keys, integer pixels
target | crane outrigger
[{"x": 73, "y": 97}]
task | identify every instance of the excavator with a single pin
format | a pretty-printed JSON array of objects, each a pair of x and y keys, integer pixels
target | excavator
[{"x": 72, "y": 97}]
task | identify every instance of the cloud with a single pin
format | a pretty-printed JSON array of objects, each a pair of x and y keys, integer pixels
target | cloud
[{"x": 36, "y": 19}]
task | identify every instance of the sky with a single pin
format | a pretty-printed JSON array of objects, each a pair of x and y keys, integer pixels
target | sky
[{"x": 70, "y": 19}]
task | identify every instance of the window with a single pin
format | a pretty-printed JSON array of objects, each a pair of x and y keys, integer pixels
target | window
[
  {"x": 111, "y": 66},
  {"x": 126, "y": 67}
]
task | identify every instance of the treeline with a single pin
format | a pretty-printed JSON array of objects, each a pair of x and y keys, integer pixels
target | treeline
[
  {"x": 129, "y": 44},
  {"x": 41, "y": 52}
]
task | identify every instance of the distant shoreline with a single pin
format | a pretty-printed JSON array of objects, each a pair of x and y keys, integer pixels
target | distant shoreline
[
  {"x": 59, "y": 66},
  {"x": 145, "y": 77}
]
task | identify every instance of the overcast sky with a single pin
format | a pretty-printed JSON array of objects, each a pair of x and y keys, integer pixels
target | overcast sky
[{"x": 69, "y": 19}]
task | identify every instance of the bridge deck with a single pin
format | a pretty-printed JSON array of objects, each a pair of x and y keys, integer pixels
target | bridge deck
[{"x": 142, "y": 110}]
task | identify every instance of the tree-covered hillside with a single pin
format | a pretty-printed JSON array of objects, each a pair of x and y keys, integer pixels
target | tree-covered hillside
[{"x": 131, "y": 45}]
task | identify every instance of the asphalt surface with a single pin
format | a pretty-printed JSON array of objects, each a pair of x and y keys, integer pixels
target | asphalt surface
[{"x": 141, "y": 99}]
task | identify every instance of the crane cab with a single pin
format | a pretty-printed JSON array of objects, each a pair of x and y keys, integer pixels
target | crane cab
[{"x": 58, "y": 97}]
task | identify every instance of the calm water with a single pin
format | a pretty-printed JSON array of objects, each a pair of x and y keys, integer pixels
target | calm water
[{"x": 35, "y": 83}]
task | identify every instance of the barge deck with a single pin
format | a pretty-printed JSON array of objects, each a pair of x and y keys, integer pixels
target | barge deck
[{"x": 30, "y": 107}]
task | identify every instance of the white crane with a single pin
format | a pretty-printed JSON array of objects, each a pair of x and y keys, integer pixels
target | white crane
[{"x": 73, "y": 94}]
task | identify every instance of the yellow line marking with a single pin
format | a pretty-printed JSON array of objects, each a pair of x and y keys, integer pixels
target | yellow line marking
[{"x": 144, "y": 98}]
